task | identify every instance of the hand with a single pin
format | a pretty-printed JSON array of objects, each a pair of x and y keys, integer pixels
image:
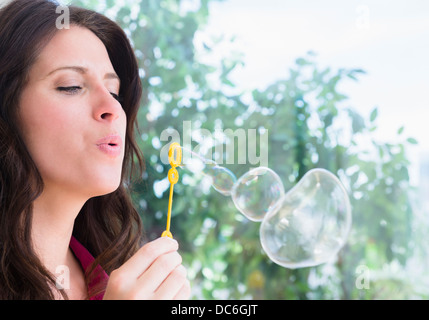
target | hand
[{"x": 153, "y": 272}]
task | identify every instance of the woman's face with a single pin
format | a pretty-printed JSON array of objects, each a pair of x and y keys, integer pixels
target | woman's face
[{"x": 71, "y": 122}]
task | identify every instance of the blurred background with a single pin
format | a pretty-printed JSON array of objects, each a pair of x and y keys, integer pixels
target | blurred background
[{"x": 335, "y": 85}]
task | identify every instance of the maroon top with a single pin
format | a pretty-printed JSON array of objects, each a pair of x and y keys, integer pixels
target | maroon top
[{"x": 85, "y": 258}]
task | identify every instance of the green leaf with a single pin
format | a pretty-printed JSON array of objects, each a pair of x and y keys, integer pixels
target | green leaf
[
  {"x": 400, "y": 130},
  {"x": 358, "y": 123},
  {"x": 412, "y": 141},
  {"x": 373, "y": 115},
  {"x": 352, "y": 76},
  {"x": 301, "y": 62}
]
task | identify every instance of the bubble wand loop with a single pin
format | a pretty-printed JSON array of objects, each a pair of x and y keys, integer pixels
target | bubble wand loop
[{"x": 175, "y": 159}]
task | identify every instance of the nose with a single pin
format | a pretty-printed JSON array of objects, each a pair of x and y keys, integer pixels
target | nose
[{"x": 106, "y": 107}]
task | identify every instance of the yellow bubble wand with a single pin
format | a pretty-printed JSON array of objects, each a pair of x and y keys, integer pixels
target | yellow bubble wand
[{"x": 175, "y": 159}]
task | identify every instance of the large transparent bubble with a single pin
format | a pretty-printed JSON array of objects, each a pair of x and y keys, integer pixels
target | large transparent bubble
[
  {"x": 310, "y": 223},
  {"x": 303, "y": 227}
]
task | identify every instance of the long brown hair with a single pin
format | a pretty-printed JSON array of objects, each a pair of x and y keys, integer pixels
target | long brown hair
[{"x": 108, "y": 226}]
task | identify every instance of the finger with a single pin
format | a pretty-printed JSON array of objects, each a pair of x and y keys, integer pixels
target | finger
[
  {"x": 184, "y": 292},
  {"x": 146, "y": 255},
  {"x": 152, "y": 278},
  {"x": 172, "y": 284}
]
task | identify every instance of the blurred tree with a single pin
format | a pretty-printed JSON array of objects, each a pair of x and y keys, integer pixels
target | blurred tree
[{"x": 309, "y": 125}]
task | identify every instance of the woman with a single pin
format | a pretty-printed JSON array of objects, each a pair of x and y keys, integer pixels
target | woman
[{"x": 68, "y": 107}]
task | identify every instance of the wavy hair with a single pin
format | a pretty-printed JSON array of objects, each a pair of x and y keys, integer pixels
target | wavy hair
[{"x": 108, "y": 226}]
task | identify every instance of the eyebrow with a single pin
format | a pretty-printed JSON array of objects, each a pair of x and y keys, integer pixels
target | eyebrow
[{"x": 82, "y": 70}]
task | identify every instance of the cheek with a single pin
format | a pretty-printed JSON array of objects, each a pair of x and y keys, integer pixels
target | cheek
[
  {"x": 47, "y": 129},
  {"x": 44, "y": 123}
]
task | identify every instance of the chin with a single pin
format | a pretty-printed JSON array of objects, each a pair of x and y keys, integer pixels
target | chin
[
  {"x": 103, "y": 180},
  {"x": 108, "y": 189},
  {"x": 105, "y": 187}
]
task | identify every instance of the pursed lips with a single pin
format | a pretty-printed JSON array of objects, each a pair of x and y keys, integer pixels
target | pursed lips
[{"x": 111, "y": 145}]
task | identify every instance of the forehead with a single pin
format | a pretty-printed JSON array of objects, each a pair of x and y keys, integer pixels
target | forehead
[{"x": 74, "y": 46}]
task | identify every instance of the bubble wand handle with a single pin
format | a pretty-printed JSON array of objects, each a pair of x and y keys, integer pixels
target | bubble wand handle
[{"x": 175, "y": 159}]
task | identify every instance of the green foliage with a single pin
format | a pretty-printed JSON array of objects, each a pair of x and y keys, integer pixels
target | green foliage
[{"x": 309, "y": 125}]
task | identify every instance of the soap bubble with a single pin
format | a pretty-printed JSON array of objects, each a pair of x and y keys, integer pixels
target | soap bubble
[
  {"x": 310, "y": 224},
  {"x": 303, "y": 227},
  {"x": 193, "y": 162},
  {"x": 257, "y": 192},
  {"x": 222, "y": 179}
]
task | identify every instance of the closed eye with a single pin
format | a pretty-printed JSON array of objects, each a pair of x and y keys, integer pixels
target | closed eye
[
  {"x": 75, "y": 89},
  {"x": 70, "y": 90}
]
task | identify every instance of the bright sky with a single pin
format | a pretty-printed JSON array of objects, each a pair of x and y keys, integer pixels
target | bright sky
[{"x": 387, "y": 38}]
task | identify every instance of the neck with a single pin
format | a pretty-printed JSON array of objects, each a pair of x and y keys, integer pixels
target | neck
[{"x": 52, "y": 226}]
